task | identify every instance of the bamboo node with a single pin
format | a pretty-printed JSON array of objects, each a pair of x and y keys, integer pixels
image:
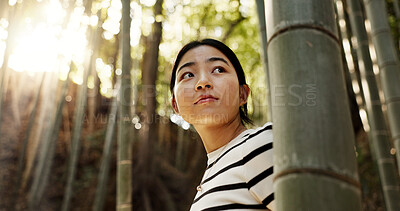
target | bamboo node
[
  {"x": 124, "y": 162},
  {"x": 381, "y": 133},
  {"x": 304, "y": 26},
  {"x": 123, "y": 206},
  {"x": 386, "y": 161},
  {"x": 375, "y": 33},
  {"x": 391, "y": 100},
  {"x": 322, "y": 172},
  {"x": 391, "y": 188}
]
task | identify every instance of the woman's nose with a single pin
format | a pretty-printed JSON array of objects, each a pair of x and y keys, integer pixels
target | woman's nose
[
  {"x": 203, "y": 83},
  {"x": 199, "y": 87}
]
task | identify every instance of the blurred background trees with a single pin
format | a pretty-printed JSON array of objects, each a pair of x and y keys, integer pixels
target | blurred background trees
[{"x": 64, "y": 68}]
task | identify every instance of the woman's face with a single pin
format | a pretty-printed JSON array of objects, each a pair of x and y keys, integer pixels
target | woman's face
[{"x": 207, "y": 88}]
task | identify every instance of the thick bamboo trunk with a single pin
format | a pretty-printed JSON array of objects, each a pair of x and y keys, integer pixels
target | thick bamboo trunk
[
  {"x": 314, "y": 163},
  {"x": 379, "y": 134},
  {"x": 263, "y": 35},
  {"x": 124, "y": 154},
  {"x": 388, "y": 63}
]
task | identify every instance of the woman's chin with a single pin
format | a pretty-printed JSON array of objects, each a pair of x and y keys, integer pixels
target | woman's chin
[{"x": 209, "y": 119}]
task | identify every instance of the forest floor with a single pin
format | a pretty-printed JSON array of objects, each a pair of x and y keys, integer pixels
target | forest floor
[
  {"x": 12, "y": 134},
  {"x": 179, "y": 183}
]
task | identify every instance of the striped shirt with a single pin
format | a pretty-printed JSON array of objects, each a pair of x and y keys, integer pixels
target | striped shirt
[{"x": 239, "y": 176}]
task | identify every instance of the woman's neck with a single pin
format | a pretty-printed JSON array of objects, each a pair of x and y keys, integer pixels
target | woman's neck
[{"x": 214, "y": 137}]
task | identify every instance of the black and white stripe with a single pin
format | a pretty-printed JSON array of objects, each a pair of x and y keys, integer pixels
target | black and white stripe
[{"x": 242, "y": 175}]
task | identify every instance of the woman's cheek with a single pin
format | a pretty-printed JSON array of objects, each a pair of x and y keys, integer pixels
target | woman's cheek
[
  {"x": 183, "y": 97},
  {"x": 231, "y": 94}
]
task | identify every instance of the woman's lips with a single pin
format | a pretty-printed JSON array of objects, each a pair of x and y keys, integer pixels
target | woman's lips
[{"x": 206, "y": 99}]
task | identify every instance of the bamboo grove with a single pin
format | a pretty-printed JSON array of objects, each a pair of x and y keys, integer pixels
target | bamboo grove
[{"x": 85, "y": 116}]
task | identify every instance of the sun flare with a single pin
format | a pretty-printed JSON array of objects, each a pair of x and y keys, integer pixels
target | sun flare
[{"x": 46, "y": 46}]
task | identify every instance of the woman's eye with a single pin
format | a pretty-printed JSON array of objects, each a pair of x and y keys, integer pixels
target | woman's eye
[
  {"x": 187, "y": 75},
  {"x": 218, "y": 70}
]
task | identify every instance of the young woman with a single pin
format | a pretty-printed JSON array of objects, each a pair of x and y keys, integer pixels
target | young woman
[{"x": 209, "y": 91}]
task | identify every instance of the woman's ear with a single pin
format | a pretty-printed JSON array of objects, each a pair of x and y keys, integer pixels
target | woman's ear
[
  {"x": 244, "y": 93},
  {"x": 174, "y": 106}
]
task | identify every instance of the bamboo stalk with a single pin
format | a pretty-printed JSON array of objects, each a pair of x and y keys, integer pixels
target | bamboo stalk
[
  {"x": 168, "y": 200},
  {"x": 263, "y": 35},
  {"x": 102, "y": 181},
  {"x": 314, "y": 162},
  {"x": 47, "y": 153},
  {"x": 350, "y": 65},
  {"x": 43, "y": 154},
  {"x": 397, "y": 14},
  {"x": 21, "y": 157},
  {"x": 179, "y": 149},
  {"x": 379, "y": 133},
  {"x": 124, "y": 152},
  {"x": 53, "y": 139},
  {"x": 388, "y": 63},
  {"x": 76, "y": 140},
  {"x": 7, "y": 52}
]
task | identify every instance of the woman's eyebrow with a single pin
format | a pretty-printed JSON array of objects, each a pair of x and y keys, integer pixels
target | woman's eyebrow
[
  {"x": 185, "y": 65},
  {"x": 212, "y": 59}
]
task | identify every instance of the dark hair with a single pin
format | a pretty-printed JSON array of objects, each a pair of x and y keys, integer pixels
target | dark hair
[{"x": 232, "y": 58}]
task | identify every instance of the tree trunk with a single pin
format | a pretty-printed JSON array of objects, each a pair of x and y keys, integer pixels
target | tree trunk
[
  {"x": 3, "y": 8},
  {"x": 388, "y": 63},
  {"x": 21, "y": 157},
  {"x": 314, "y": 162},
  {"x": 379, "y": 133},
  {"x": 102, "y": 181},
  {"x": 350, "y": 73},
  {"x": 263, "y": 41},
  {"x": 179, "y": 149},
  {"x": 94, "y": 93},
  {"x": 80, "y": 106},
  {"x": 42, "y": 151},
  {"x": 124, "y": 154},
  {"x": 397, "y": 14},
  {"x": 10, "y": 42},
  {"x": 149, "y": 77},
  {"x": 44, "y": 177}
]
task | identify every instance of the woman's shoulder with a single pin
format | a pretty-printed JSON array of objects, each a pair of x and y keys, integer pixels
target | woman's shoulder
[
  {"x": 266, "y": 126},
  {"x": 261, "y": 132},
  {"x": 259, "y": 136}
]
